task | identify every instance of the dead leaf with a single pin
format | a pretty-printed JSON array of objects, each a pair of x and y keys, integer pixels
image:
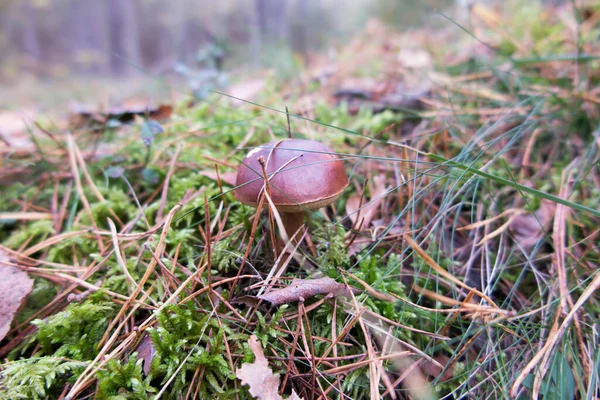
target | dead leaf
[
  {"x": 250, "y": 301},
  {"x": 435, "y": 371},
  {"x": 146, "y": 352},
  {"x": 262, "y": 383},
  {"x": 528, "y": 229},
  {"x": 82, "y": 114},
  {"x": 487, "y": 15},
  {"x": 415, "y": 58},
  {"x": 246, "y": 90},
  {"x": 14, "y": 130},
  {"x": 302, "y": 289},
  {"x": 228, "y": 178},
  {"x": 369, "y": 207},
  {"x": 15, "y": 286}
]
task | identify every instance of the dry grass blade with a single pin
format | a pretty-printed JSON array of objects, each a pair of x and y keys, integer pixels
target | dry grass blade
[
  {"x": 374, "y": 368},
  {"x": 556, "y": 336},
  {"x": 479, "y": 224},
  {"x": 119, "y": 256},
  {"x": 25, "y": 216},
  {"x": 165, "y": 188},
  {"x": 281, "y": 263},
  {"x": 52, "y": 241},
  {"x": 477, "y": 309},
  {"x": 433, "y": 265},
  {"x": 77, "y": 387},
  {"x": 79, "y": 186},
  {"x": 559, "y": 239}
]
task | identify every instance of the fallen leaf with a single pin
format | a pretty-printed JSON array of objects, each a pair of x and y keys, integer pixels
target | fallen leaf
[
  {"x": 15, "y": 286},
  {"x": 249, "y": 301},
  {"x": 528, "y": 229},
  {"x": 82, "y": 114},
  {"x": 246, "y": 90},
  {"x": 487, "y": 14},
  {"x": 261, "y": 381},
  {"x": 14, "y": 130},
  {"x": 435, "y": 371},
  {"x": 415, "y": 58},
  {"x": 146, "y": 352},
  {"x": 302, "y": 289},
  {"x": 369, "y": 207},
  {"x": 228, "y": 178}
]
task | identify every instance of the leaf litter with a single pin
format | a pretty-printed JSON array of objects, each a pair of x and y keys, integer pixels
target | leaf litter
[
  {"x": 262, "y": 383},
  {"x": 212, "y": 245},
  {"x": 15, "y": 286},
  {"x": 303, "y": 289}
]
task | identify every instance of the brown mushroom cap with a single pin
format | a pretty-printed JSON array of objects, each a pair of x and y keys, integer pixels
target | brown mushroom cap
[{"x": 304, "y": 174}]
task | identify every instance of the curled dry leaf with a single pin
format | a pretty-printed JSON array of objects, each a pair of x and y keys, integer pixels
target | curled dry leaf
[
  {"x": 436, "y": 371},
  {"x": 417, "y": 58},
  {"x": 146, "y": 352},
  {"x": 82, "y": 114},
  {"x": 528, "y": 229},
  {"x": 14, "y": 131},
  {"x": 15, "y": 286},
  {"x": 369, "y": 207},
  {"x": 227, "y": 178},
  {"x": 261, "y": 381},
  {"x": 302, "y": 289},
  {"x": 247, "y": 90}
]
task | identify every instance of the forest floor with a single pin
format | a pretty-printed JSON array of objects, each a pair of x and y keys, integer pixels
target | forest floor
[{"x": 461, "y": 261}]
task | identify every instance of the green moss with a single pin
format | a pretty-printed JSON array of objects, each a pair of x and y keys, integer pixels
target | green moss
[
  {"x": 185, "y": 339},
  {"x": 124, "y": 380},
  {"x": 32, "y": 232},
  {"x": 37, "y": 377},
  {"x": 75, "y": 332}
]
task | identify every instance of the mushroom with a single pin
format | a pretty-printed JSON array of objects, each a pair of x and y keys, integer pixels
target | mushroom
[{"x": 304, "y": 175}]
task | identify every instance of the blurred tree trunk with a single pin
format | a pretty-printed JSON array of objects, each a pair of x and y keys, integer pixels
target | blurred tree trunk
[
  {"x": 255, "y": 44},
  {"x": 300, "y": 38},
  {"x": 156, "y": 40},
  {"x": 124, "y": 49},
  {"x": 273, "y": 20},
  {"x": 28, "y": 25},
  {"x": 89, "y": 36}
]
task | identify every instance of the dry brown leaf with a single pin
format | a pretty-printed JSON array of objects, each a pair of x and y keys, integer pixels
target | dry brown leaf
[
  {"x": 487, "y": 15},
  {"x": 14, "y": 130},
  {"x": 302, "y": 289},
  {"x": 15, "y": 286},
  {"x": 146, "y": 352},
  {"x": 369, "y": 207},
  {"x": 227, "y": 178},
  {"x": 416, "y": 58},
  {"x": 247, "y": 90},
  {"x": 528, "y": 229},
  {"x": 127, "y": 110},
  {"x": 435, "y": 371},
  {"x": 261, "y": 381}
]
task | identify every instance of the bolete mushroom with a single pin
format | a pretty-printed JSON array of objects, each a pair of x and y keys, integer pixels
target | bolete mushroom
[{"x": 304, "y": 175}]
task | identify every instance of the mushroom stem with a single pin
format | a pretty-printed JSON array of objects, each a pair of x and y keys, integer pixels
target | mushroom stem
[{"x": 292, "y": 221}]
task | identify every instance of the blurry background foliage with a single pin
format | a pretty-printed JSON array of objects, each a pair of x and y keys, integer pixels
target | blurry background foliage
[{"x": 62, "y": 38}]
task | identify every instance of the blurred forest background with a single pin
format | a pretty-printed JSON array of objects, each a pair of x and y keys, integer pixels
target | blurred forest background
[
  {"x": 61, "y": 41},
  {"x": 64, "y": 51},
  {"x": 58, "y": 37}
]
